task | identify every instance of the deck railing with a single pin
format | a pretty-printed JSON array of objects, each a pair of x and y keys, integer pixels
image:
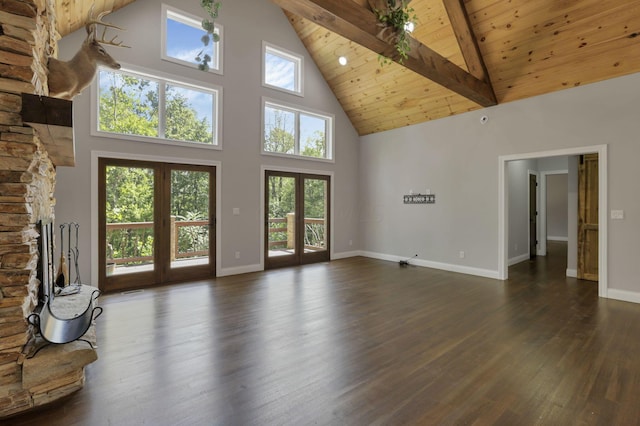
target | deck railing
[
  {"x": 138, "y": 240},
  {"x": 284, "y": 230}
]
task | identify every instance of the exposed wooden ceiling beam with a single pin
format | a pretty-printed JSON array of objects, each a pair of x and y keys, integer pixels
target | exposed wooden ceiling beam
[
  {"x": 466, "y": 39},
  {"x": 359, "y": 24}
]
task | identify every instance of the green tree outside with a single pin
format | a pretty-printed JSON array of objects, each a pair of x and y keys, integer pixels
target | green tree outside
[{"x": 129, "y": 105}]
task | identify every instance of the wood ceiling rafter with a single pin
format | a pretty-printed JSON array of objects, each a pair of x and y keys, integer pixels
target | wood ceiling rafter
[
  {"x": 466, "y": 39},
  {"x": 357, "y": 23}
]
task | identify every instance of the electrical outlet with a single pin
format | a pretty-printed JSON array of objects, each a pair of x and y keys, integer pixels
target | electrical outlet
[
  {"x": 515, "y": 247},
  {"x": 237, "y": 255},
  {"x": 350, "y": 242},
  {"x": 461, "y": 254}
]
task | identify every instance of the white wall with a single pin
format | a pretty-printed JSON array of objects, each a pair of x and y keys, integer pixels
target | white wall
[
  {"x": 518, "y": 195},
  {"x": 458, "y": 158},
  {"x": 246, "y": 24},
  {"x": 557, "y": 207}
]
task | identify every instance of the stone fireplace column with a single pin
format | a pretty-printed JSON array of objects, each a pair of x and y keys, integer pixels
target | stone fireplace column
[{"x": 27, "y": 183}]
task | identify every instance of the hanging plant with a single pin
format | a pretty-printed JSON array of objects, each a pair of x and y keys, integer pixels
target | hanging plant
[
  {"x": 397, "y": 16},
  {"x": 211, "y": 7}
]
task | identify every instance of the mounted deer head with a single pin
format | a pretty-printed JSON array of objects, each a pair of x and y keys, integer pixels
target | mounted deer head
[{"x": 69, "y": 78}]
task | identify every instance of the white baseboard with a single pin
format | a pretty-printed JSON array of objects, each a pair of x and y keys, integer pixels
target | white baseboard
[
  {"x": 518, "y": 259},
  {"x": 549, "y": 238},
  {"x": 624, "y": 295},
  {"x": 346, "y": 254},
  {"x": 572, "y": 273},
  {"x": 225, "y": 272},
  {"x": 487, "y": 273}
]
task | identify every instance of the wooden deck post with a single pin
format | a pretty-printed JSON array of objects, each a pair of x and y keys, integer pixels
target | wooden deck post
[{"x": 291, "y": 230}]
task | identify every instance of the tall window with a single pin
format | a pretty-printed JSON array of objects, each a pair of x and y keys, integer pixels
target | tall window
[
  {"x": 282, "y": 69},
  {"x": 149, "y": 108},
  {"x": 291, "y": 131},
  {"x": 182, "y": 40}
]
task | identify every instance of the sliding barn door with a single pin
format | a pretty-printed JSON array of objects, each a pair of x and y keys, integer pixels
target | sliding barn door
[{"x": 588, "y": 217}]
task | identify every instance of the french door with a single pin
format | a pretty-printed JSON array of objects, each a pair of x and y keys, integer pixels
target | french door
[
  {"x": 297, "y": 225},
  {"x": 156, "y": 223}
]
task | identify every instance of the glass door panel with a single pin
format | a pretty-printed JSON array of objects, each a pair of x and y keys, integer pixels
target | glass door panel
[
  {"x": 130, "y": 222},
  {"x": 128, "y": 229},
  {"x": 315, "y": 214},
  {"x": 281, "y": 228},
  {"x": 189, "y": 218}
]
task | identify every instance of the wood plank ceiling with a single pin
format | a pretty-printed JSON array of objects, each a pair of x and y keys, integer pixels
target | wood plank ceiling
[
  {"x": 72, "y": 15},
  {"x": 529, "y": 48}
]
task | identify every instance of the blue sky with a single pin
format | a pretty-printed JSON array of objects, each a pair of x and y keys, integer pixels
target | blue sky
[
  {"x": 184, "y": 41},
  {"x": 280, "y": 72}
]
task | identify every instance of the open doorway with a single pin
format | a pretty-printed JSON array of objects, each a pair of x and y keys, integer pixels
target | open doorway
[{"x": 504, "y": 219}]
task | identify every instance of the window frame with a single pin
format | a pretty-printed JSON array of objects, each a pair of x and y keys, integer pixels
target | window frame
[
  {"x": 286, "y": 54},
  {"x": 163, "y": 80},
  {"x": 297, "y": 110},
  {"x": 194, "y": 21}
]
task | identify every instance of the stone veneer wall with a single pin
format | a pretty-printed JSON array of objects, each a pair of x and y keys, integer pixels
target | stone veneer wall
[{"x": 27, "y": 180}]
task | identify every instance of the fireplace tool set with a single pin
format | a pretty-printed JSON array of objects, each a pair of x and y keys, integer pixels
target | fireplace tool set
[
  {"x": 63, "y": 281},
  {"x": 52, "y": 328}
]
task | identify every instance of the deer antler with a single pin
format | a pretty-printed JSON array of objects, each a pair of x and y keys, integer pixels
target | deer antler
[
  {"x": 91, "y": 29},
  {"x": 113, "y": 41}
]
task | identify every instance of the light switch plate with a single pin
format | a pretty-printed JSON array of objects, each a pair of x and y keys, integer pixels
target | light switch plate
[{"x": 617, "y": 214}]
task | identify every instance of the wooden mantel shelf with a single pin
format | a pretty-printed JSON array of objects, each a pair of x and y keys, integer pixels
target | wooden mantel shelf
[{"x": 52, "y": 118}]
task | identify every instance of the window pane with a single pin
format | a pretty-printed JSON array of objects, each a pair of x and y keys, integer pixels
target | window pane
[
  {"x": 189, "y": 115},
  {"x": 279, "y": 130},
  {"x": 313, "y": 142},
  {"x": 281, "y": 70},
  {"x": 184, "y": 41},
  {"x": 128, "y": 104}
]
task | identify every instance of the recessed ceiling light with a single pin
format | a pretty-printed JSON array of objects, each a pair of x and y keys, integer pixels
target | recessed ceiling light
[
  {"x": 342, "y": 60},
  {"x": 409, "y": 27}
]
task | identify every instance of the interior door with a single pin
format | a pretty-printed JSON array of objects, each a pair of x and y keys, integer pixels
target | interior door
[
  {"x": 533, "y": 216},
  {"x": 588, "y": 217},
  {"x": 156, "y": 223},
  {"x": 297, "y": 222}
]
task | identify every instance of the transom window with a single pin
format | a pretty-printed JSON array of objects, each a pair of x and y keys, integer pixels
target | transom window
[
  {"x": 282, "y": 69},
  {"x": 182, "y": 40},
  {"x": 292, "y": 131},
  {"x": 149, "y": 108}
]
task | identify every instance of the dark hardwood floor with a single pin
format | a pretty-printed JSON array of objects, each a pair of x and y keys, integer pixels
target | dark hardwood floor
[{"x": 360, "y": 342}]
